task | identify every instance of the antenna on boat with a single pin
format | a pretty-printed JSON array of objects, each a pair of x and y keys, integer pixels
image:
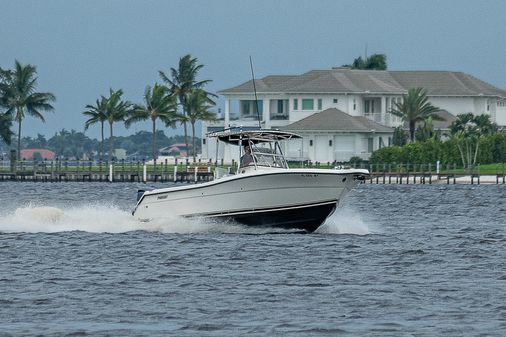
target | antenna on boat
[{"x": 255, "y": 90}]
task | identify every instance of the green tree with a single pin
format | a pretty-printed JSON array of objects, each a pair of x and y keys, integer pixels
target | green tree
[
  {"x": 198, "y": 108},
  {"x": 183, "y": 81},
  {"x": 97, "y": 114},
  {"x": 5, "y": 119},
  {"x": 415, "y": 107},
  {"x": 159, "y": 104},
  {"x": 426, "y": 131},
  {"x": 376, "y": 62},
  {"x": 5, "y": 128},
  {"x": 116, "y": 111},
  {"x": 39, "y": 142},
  {"x": 358, "y": 63},
  {"x": 20, "y": 98},
  {"x": 373, "y": 62},
  {"x": 467, "y": 131},
  {"x": 400, "y": 137},
  {"x": 72, "y": 144}
]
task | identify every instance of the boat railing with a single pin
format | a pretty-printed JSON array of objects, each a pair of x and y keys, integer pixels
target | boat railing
[{"x": 266, "y": 157}]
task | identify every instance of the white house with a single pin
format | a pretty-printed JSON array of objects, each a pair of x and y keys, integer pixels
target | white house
[
  {"x": 287, "y": 99},
  {"x": 333, "y": 135}
]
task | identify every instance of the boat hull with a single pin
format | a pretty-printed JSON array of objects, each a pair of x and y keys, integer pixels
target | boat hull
[
  {"x": 298, "y": 199},
  {"x": 305, "y": 217}
]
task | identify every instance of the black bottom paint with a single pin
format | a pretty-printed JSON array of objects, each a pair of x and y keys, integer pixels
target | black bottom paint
[{"x": 304, "y": 218}]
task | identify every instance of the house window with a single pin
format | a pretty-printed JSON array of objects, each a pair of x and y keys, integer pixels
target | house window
[
  {"x": 204, "y": 141},
  {"x": 295, "y": 104},
  {"x": 335, "y": 100},
  {"x": 370, "y": 145},
  {"x": 259, "y": 104},
  {"x": 320, "y": 103},
  {"x": 369, "y": 106},
  {"x": 330, "y": 142},
  {"x": 310, "y": 142},
  {"x": 488, "y": 105},
  {"x": 280, "y": 106},
  {"x": 308, "y": 104},
  {"x": 354, "y": 104},
  {"x": 245, "y": 107}
]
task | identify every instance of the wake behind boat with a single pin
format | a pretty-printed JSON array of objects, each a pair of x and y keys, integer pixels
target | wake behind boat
[{"x": 264, "y": 191}]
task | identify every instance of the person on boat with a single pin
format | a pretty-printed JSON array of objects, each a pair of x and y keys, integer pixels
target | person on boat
[{"x": 246, "y": 158}]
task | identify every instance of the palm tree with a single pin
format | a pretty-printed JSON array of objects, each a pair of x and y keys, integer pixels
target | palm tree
[
  {"x": 19, "y": 96},
  {"x": 415, "y": 107},
  {"x": 116, "y": 110},
  {"x": 5, "y": 128},
  {"x": 97, "y": 114},
  {"x": 198, "y": 104},
  {"x": 467, "y": 130},
  {"x": 5, "y": 119},
  {"x": 183, "y": 81},
  {"x": 426, "y": 131},
  {"x": 160, "y": 104}
]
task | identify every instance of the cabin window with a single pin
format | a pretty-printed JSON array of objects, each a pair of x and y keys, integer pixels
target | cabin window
[
  {"x": 308, "y": 104},
  {"x": 320, "y": 104},
  {"x": 295, "y": 104}
]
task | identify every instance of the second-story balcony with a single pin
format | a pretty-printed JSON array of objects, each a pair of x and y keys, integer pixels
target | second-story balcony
[
  {"x": 386, "y": 119},
  {"x": 279, "y": 116}
]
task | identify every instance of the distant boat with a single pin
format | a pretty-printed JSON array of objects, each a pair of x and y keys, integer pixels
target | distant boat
[{"x": 265, "y": 192}]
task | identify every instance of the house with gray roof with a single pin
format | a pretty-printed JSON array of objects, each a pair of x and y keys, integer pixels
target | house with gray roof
[
  {"x": 333, "y": 135},
  {"x": 370, "y": 94}
]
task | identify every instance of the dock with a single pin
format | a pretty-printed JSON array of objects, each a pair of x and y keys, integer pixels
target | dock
[
  {"x": 140, "y": 171},
  {"x": 88, "y": 171},
  {"x": 447, "y": 179}
]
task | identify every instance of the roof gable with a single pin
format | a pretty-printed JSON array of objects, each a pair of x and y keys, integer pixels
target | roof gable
[{"x": 336, "y": 120}]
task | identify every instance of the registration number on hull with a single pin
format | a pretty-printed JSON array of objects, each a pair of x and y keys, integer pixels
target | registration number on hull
[{"x": 309, "y": 175}]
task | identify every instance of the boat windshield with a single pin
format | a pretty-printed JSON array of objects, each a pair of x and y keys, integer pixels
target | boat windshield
[{"x": 269, "y": 155}]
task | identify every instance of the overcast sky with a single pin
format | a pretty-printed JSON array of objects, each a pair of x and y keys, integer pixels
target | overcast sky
[{"x": 82, "y": 48}]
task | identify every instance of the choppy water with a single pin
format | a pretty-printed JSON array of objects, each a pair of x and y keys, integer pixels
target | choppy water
[{"x": 393, "y": 261}]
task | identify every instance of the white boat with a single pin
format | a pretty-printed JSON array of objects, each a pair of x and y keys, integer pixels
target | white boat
[{"x": 266, "y": 192}]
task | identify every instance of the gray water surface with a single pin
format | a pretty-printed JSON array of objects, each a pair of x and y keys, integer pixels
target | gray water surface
[{"x": 394, "y": 260}]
